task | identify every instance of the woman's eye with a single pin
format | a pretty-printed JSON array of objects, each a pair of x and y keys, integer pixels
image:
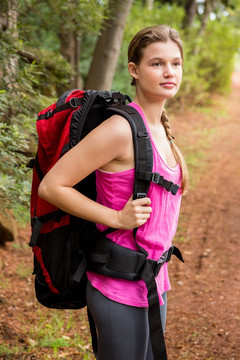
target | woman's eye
[
  {"x": 177, "y": 64},
  {"x": 158, "y": 64}
]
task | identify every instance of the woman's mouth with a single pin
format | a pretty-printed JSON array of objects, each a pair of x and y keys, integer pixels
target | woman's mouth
[{"x": 168, "y": 85}]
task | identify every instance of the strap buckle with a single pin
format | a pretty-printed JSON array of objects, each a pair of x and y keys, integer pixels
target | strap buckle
[
  {"x": 172, "y": 187},
  {"x": 74, "y": 102},
  {"x": 141, "y": 195},
  {"x": 156, "y": 265},
  {"x": 157, "y": 178},
  {"x": 166, "y": 257},
  {"x": 49, "y": 113},
  {"x": 118, "y": 98}
]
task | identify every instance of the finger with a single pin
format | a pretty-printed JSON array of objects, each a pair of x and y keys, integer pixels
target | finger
[
  {"x": 143, "y": 201},
  {"x": 142, "y": 222},
  {"x": 145, "y": 216},
  {"x": 144, "y": 209}
]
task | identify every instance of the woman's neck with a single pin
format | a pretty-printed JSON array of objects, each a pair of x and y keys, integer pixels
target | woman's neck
[{"x": 152, "y": 109}]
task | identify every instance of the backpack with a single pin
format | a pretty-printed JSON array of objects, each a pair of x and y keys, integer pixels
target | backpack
[{"x": 65, "y": 246}]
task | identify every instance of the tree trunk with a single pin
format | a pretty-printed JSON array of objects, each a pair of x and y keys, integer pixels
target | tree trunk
[
  {"x": 8, "y": 24},
  {"x": 148, "y": 4},
  {"x": 70, "y": 50},
  {"x": 190, "y": 13},
  {"x": 209, "y": 6},
  {"x": 108, "y": 46}
]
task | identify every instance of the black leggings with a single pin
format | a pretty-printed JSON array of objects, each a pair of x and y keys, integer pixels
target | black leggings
[{"x": 123, "y": 331}]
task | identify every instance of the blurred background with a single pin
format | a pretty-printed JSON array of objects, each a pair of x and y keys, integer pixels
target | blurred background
[
  {"x": 50, "y": 46},
  {"x": 47, "y": 47}
]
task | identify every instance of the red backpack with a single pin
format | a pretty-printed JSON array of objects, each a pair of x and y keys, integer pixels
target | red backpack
[{"x": 64, "y": 246}]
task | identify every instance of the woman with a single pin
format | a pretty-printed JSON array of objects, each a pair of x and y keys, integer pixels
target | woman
[{"x": 119, "y": 307}]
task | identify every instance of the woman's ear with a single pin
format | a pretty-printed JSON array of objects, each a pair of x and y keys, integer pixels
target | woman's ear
[{"x": 133, "y": 70}]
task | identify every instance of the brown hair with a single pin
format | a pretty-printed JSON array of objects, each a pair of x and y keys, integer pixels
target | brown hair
[{"x": 139, "y": 42}]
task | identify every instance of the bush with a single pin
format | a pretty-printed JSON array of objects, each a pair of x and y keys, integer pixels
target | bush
[{"x": 20, "y": 101}]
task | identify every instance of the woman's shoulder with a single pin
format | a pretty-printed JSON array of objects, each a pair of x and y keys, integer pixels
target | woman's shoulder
[{"x": 117, "y": 127}]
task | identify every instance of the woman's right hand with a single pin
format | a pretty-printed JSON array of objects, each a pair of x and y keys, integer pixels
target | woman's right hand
[{"x": 135, "y": 213}]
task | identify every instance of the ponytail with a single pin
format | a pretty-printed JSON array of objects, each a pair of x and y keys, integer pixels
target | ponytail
[{"x": 176, "y": 152}]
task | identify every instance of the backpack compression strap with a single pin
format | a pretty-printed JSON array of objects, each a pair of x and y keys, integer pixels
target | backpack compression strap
[{"x": 73, "y": 103}]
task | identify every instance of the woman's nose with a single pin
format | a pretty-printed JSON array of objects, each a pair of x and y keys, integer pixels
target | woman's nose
[{"x": 168, "y": 71}]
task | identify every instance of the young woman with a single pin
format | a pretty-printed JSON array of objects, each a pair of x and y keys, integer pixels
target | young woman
[{"x": 119, "y": 307}]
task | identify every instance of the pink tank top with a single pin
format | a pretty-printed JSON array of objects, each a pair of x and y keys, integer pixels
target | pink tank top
[{"x": 155, "y": 236}]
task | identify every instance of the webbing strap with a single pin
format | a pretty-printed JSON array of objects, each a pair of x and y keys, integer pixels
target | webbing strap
[
  {"x": 143, "y": 154},
  {"x": 157, "y": 178},
  {"x": 72, "y": 103},
  {"x": 35, "y": 232},
  {"x": 37, "y": 223},
  {"x": 38, "y": 169},
  {"x": 154, "y": 315},
  {"x": 80, "y": 269},
  {"x": 148, "y": 274},
  {"x": 142, "y": 146}
]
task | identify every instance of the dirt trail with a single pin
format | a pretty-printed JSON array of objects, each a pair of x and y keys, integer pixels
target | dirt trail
[{"x": 203, "y": 305}]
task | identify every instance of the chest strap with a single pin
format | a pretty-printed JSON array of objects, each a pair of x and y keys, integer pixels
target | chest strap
[{"x": 156, "y": 178}]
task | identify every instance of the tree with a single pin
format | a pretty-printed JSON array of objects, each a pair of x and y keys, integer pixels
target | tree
[
  {"x": 69, "y": 35},
  {"x": 210, "y": 5},
  {"x": 190, "y": 8},
  {"x": 76, "y": 18},
  {"x": 108, "y": 46},
  {"x": 148, "y": 4},
  {"x": 8, "y": 24},
  {"x": 70, "y": 50}
]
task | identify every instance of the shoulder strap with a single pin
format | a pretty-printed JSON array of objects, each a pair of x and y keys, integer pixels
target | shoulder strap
[
  {"x": 142, "y": 147},
  {"x": 143, "y": 153}
]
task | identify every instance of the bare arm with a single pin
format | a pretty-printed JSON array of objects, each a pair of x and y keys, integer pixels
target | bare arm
[{"x": 111, "y": 144}]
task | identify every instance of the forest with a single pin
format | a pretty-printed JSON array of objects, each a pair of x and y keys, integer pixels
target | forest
[{"x": 50, "y": 46}]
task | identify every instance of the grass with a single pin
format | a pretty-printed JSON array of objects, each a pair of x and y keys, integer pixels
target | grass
[
  {"x": 4, "y": 281},
  {"x": 21, "y": 214},
  {"x": 19, "y": 246},
  {"x": 61, "y": 331},
  {"x": 23, "y": 271},
  {"x": 8, "y": 352}
]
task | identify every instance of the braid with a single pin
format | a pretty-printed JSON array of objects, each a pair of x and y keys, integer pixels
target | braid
[
  {"x": 165, "y": 122},
  {"x": 176, "y": 152}
]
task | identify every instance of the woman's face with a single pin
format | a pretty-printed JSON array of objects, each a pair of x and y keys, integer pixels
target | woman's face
[{"x": 159, "y": 73}]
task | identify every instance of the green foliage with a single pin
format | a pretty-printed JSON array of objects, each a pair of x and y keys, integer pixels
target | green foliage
[
  {"x": 208, "y": 59},
  {"x": 59, "y": 329},
  {"x": 223, "y": 40},
  {"x": 209, "y": 62},
  {"x": 32, "y": 68},
  {"x": 14, "y": 175},
  {"x": 20, "y": 101},
  {"x": 7, "y": 352},
  {"x": 42, "y": 21}
]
